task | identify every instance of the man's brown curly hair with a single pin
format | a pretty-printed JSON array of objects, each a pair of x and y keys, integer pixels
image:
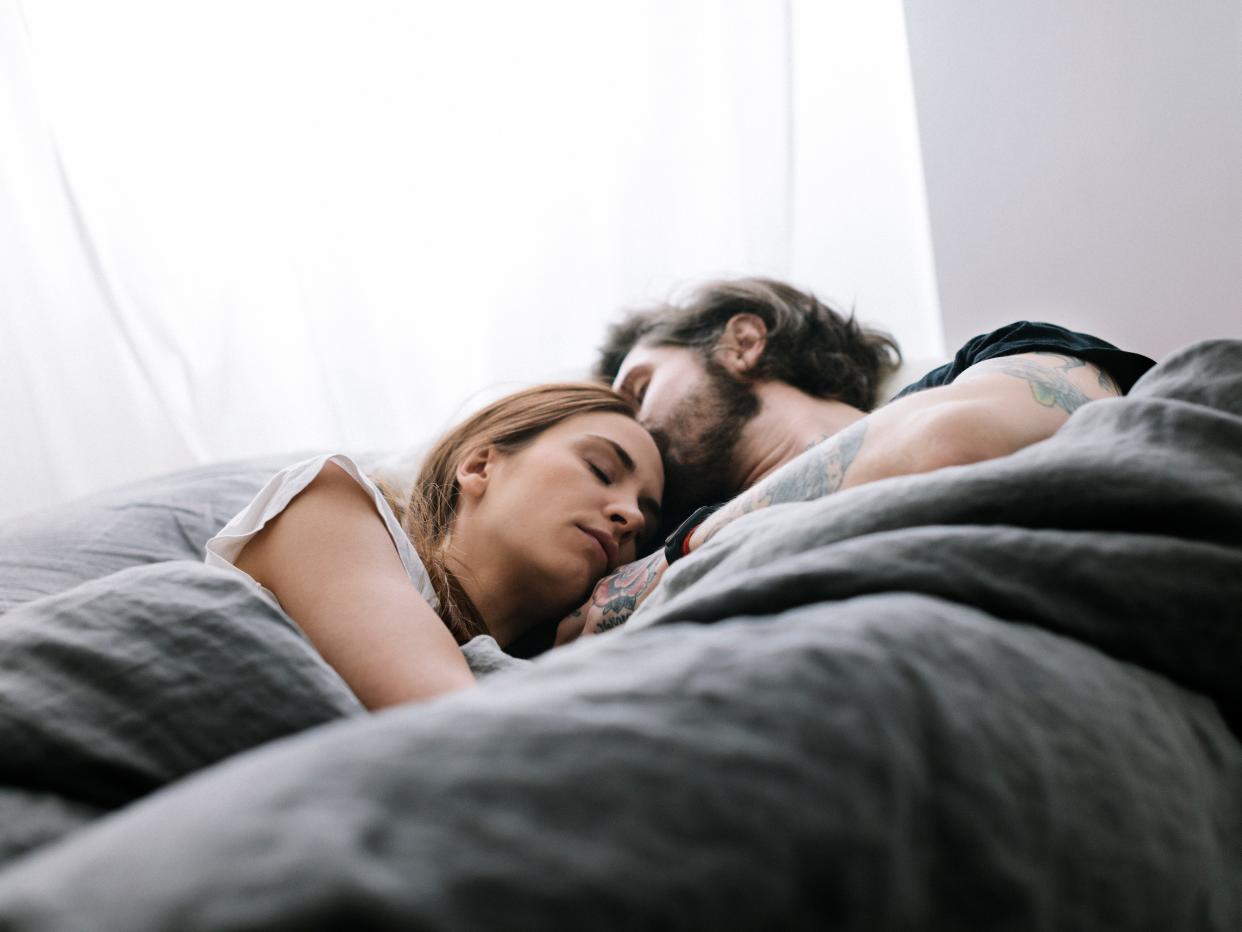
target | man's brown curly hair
[{"x": 810, "y": 345}]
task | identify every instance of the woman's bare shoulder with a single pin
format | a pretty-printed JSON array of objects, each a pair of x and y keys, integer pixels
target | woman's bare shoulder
[{"x": 333, "y": 514}]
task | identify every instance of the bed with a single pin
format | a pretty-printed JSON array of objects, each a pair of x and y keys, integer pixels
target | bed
[{"x": 1002, "y": 696}]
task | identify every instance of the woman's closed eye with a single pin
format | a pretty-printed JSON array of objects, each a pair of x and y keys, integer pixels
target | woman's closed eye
[{"x": 599, "y": 473}]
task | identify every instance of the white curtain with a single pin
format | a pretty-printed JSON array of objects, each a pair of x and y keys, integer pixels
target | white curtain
[{"x": 236, "y": 228}]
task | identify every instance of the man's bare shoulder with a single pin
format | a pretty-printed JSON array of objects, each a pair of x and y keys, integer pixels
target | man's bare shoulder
[{"x": 1055, "y": 380}]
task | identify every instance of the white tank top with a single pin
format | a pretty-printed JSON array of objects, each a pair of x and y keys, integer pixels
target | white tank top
[{"x": 223, "y": 549}]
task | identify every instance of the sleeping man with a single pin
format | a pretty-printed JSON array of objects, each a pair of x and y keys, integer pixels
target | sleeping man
[{"x": 759, "y": 394}]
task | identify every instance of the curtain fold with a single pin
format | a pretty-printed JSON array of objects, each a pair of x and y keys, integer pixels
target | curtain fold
[{"x": 242, "y": 228}]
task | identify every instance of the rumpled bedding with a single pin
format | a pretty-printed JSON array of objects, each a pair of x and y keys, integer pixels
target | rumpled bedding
[{"x": 1001, "y": 696}]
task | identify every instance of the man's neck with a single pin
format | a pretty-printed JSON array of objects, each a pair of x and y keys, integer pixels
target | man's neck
[{"x": 788, "y": 423}]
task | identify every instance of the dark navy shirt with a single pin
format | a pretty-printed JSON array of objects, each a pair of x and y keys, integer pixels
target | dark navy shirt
[{"x": 1034, "y": 337}]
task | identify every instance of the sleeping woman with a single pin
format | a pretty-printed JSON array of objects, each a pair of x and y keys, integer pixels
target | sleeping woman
[{"x": 515, "y": 515}]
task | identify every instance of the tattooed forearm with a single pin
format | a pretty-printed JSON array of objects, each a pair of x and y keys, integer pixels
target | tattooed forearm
[
  {"x": 617, "y": 596},
  {"x": 614, "y": 620},
  {"x": 818, "y": 472}
]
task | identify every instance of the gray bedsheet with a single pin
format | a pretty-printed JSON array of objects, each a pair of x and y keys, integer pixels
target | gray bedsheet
[{"x": 991, "y": 697}]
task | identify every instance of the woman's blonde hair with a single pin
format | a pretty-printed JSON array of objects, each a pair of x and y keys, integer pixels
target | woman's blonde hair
[{"x": 508, "y": 425}]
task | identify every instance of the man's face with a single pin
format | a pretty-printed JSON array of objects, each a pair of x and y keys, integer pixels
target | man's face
[{"x": 696, "y": 410}]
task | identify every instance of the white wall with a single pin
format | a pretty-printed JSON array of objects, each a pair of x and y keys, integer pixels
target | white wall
[{"x": 1084, "y": 164}]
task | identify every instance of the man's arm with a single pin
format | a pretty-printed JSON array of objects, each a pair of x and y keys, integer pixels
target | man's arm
[
  {"x": 994, "y": 408},
  {"x": 614, "y": 599}
]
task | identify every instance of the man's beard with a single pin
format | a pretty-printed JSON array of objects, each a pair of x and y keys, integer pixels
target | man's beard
[{"x": 698, "y": 442}]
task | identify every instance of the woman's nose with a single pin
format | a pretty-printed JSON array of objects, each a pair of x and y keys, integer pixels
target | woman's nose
[{"x": 628, "y": 516}]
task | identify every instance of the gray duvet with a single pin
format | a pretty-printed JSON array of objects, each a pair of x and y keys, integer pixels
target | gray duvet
[{"x": 995, "y": 697}]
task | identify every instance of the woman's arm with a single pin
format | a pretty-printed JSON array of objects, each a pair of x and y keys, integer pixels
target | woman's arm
[{"x": 330, "y": 561}]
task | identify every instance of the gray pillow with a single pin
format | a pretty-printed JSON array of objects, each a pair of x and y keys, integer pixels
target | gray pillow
[
  {"x": 166, "y": 518},
  {"x": 127, "y": 683}
]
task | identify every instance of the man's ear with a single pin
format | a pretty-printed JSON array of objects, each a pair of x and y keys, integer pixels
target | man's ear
[
  {"x": 475, "y": 471},
  {"x": 742, "y": 343}
]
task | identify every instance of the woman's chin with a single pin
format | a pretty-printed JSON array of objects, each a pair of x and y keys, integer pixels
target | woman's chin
[
  {"x": 586, "y": 579},
  {"x": 567, "y": 594}
]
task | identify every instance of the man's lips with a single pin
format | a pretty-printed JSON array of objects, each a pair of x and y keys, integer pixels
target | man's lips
[{"x": 606, "y": 545}]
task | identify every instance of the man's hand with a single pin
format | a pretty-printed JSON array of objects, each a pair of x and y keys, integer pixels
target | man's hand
[{"x": 614, "y": 599}]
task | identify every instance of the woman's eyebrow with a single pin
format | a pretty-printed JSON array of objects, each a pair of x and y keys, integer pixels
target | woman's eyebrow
[
  {"x": 626, "y": 460},
  {"x": 627, "y": 463}
]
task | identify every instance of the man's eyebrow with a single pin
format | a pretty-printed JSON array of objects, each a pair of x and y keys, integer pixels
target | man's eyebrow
[{"x": 627, "y": 462}]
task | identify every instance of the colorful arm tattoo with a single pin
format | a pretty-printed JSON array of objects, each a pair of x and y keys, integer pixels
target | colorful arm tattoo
[{"x": 617, "y": 596}]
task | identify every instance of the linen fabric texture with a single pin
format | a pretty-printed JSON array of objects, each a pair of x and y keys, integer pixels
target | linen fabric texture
[{"x": 997, "y": 695}]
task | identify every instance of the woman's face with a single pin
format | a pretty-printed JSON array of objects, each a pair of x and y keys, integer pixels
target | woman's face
[{"x": 567, "y": 509}]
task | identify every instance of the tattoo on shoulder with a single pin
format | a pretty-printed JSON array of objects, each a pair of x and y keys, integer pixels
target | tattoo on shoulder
[
  {"x": 1107, "y": 382},
  {"x": 1050, "y": 387},
  {"x": 1067, "y": 362}
]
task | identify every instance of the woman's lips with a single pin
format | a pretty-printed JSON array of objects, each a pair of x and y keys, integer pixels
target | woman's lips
[{"x": 604, "y": 545}]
